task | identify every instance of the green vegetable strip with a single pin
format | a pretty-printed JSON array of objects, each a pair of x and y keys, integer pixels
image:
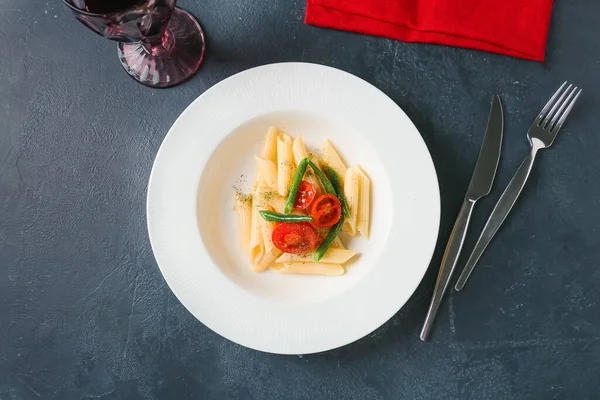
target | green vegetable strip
[
  {"x": 324, "y": 180},
  {"x": 296, "y": 184},
  {"x": 335, "y": 181},
  {"x": 276, "y": 217},
  {"x": 328, "y": 240}
]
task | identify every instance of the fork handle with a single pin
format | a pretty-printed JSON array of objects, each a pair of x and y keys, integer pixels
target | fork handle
[
  {"x": 503, "y": 207},
  {"x": 457, "y": 238}
]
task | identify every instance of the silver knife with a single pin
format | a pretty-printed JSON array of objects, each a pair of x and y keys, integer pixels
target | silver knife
[{"x": 481, "y": 184}]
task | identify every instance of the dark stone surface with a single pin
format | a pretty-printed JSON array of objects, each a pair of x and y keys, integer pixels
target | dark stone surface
[{"x": 85, "y": 313}]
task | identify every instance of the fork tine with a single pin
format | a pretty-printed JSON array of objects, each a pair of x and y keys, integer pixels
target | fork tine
[
  {"x": 546, "y": 121},
  {"x": 564, "y": 116},
  {"x": 560, "y": 110},
  {"x": 542, "y": 113}
]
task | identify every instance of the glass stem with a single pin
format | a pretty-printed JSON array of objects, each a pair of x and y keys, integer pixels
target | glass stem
[{"x": 159, "y": 44}]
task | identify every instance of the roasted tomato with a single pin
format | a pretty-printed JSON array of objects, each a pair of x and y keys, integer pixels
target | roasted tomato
[
  {"x": 306, "y": 195},
  {"x": 326, "y": 211},
  {"x": 295, "y": 237}
]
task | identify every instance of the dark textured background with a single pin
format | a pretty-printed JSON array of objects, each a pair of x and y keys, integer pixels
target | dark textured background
[{"x": 86, "y": 314}]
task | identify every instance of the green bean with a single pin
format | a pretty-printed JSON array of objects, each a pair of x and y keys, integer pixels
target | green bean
[
  {"x": 277, "y": 217},
  {"x": 335, "y": 181},
  {"x": 296, "y": 184},
  {"x": 328, "y": 240},
  {"x": 324, "y": 180}
]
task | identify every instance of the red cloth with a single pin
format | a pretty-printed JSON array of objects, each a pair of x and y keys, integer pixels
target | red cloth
[{"x": 513, "y": 27}]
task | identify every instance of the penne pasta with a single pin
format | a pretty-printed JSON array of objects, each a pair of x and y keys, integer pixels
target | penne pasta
[
  {"x": 277, "y": 203},
  {"x": 257, "y": 181},
  {"x": 260, "y": 236},
  {"x": 351, "y": 191},
  {"x": 266, "y": 229},
  {"x": 337, "y": 243},
  {"x": 331, "y": 256},
  {"x": 316, "y": 159},
  {"x": 263, "y": 229},
  {"x": 311, "y": 269},
  {"x": 269, "y": 151},
  {"x": 257, "y": 247},
  {"x": 364, "y": 204},
  {"x": 311, "y": 177},
  {"x": 243, "y": 207},
  {"x": 299, "y": 150},
  {"x": 266, "y": 172},
  {"x": 285, "y": 164},
  {"x": 332, "y": 159},
  {"x": 267, "y": 260},
  {"x": 266, "y": 197}
]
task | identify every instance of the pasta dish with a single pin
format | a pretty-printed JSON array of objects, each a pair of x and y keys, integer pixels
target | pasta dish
[{"x": 299, "y": 204}]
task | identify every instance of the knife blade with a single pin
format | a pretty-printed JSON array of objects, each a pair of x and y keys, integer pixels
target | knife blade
[
  {"x": 489, "y": 155},
  {"x": 480, "y": 185}
]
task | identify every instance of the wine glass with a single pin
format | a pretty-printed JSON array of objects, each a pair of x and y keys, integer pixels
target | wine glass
[{"x": 160, "y": 45}]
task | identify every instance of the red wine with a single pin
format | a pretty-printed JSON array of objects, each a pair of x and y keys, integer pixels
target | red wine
[{"x": 106, "y": 6}]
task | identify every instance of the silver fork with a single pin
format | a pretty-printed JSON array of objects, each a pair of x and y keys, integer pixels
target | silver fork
[{"x": 541, "y": 135}]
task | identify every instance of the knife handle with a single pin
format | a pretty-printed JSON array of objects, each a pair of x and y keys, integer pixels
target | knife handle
[
  {"x": 498, "y": 215},
  {"x": 455, "y": 243}
]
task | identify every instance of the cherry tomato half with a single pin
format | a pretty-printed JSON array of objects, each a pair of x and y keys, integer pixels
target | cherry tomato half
[
  {"x": 306, "y": 195},
  {"x": 326, "y": 211},
  {"x": 295, "y": 237}
]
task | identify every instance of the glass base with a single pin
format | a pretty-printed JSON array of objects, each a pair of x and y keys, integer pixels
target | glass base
[{"x": 171, "y": 61}]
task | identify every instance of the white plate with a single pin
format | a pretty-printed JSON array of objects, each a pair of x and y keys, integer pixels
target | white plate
[{"x": 210, "y": 150}]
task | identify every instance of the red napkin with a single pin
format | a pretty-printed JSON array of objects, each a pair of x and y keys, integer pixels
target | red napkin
[{"x": 513, "y": 27}]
